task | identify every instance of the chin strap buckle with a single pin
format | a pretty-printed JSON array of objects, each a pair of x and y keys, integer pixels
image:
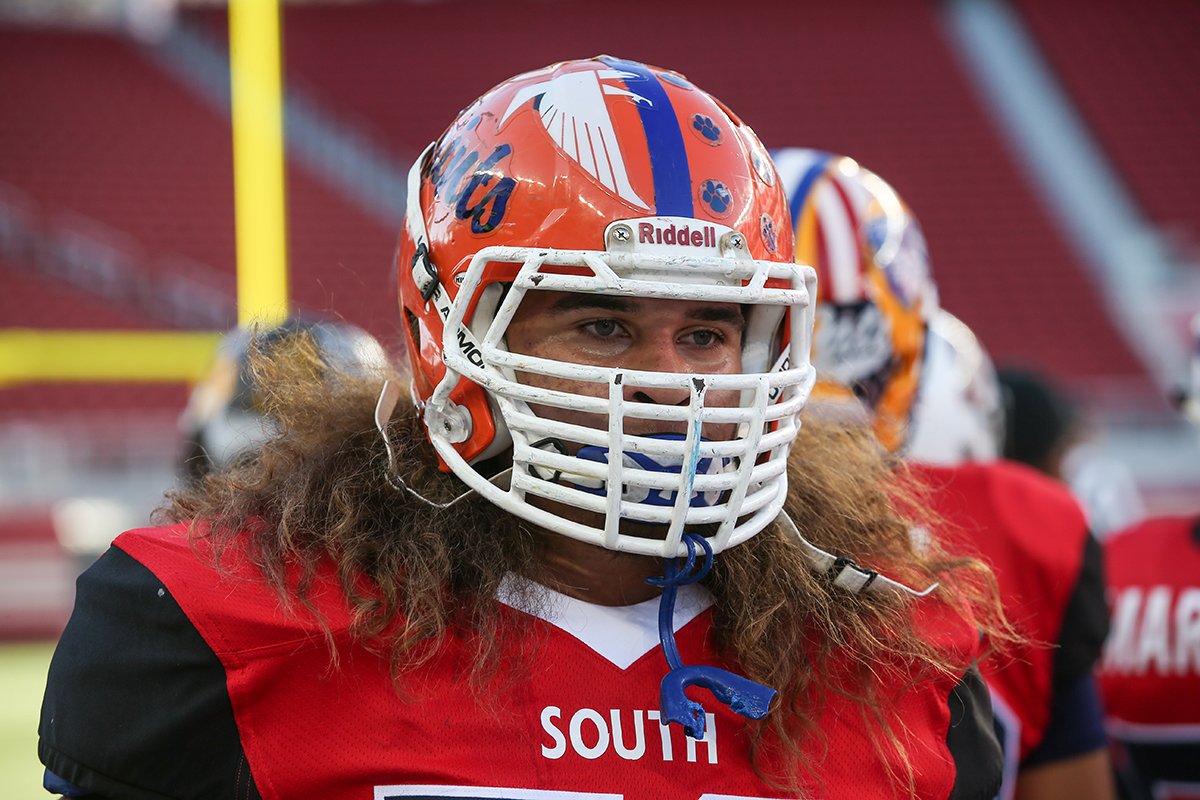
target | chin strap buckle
[
  {"x": 846, "y": 573},
  {"x": 423, "y": 273}
]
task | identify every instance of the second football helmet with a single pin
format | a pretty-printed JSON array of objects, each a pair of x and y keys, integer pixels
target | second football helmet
[
  {"x": 876, "y": 296},
  {"x": 1191, "y": 400},
  {"x": 959, "y": 412},
  {"x": 604, "y": 177},
  {"x": 225, "y": 415}
]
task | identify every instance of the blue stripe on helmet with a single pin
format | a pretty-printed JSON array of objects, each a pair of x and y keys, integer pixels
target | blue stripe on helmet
[
  {"x": 668, "y": 156},
  {"x": 798, "y": 197}
]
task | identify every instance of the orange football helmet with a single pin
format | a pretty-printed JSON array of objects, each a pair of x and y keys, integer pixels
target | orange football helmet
[{"x": 611, "y": 177}]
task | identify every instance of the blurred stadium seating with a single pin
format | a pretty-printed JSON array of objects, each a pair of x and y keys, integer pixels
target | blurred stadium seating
[
  {"x": 1130, "y": 69},
  {"x": 116, "y": 200},
  {"x": 878, "y": 81}
]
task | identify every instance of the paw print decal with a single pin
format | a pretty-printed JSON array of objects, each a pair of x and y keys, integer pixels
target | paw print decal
[
  {"x": 766, "y": 227},
  {"x": 763, "y": 168},
  {"x": 706, "y": 129},
  {"x": 675, "y": 80},
  {"x": 716, "y": 197}
]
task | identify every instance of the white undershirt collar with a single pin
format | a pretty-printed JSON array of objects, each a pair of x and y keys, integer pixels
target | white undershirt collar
[{"x": 621, "y": 634}]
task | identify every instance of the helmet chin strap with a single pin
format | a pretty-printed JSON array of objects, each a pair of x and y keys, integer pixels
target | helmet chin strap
[
  {"x": 389, "y": 395},
  {"x": 844, "y": 572}
]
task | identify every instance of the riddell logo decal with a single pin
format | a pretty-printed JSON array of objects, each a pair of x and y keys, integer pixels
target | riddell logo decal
[{"x": 699, "y": 236}]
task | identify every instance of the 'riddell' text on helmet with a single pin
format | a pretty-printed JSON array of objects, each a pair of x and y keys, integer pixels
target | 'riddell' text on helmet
[{"x": 612, "y": 179}]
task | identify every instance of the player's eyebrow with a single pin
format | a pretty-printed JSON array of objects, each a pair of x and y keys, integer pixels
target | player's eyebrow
[
  {"x": 574, "y": 301},
  {"x": 727, "y": 313}
]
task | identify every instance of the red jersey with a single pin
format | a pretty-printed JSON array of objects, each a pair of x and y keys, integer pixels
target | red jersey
[
  {"x": 1150, "y": 674},
  {"x": 582, "y": 723},
  {"x": 1033, "y": 534}
]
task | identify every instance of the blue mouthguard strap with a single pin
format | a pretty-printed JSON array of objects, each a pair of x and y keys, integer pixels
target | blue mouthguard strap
[{"x": 742, "y": 695}]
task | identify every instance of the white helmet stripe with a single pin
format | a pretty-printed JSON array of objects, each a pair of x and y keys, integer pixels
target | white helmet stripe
[{"x": 839, "y": 230}]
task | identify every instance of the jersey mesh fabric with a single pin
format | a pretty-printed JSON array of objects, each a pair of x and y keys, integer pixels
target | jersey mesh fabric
[
  {"x": 1035, "y": 537},
  {"x": 311, "y": 730},
  {"x": 132, "y": 686}
]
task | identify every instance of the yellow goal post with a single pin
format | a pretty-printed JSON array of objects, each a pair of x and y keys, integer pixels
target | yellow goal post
[{"x": 38, "y": 355}]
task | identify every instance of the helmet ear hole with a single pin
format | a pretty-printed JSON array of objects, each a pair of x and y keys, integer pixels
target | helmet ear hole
[{"x": 414, "y": 329}]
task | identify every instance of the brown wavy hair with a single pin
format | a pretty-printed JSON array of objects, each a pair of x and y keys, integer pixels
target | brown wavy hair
[{"x": 318, "y": 492}]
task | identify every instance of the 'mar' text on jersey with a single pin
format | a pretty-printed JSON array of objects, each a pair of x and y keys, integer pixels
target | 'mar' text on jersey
[{"x": 1156, "y": 629}]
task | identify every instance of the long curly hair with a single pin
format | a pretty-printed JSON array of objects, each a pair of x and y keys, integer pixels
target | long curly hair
[{"x": 318, "y": 492}]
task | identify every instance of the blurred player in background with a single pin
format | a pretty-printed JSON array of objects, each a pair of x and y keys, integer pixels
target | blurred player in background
[
  {"x": 1045, "y": 430},
  {"x": 883, "y": 345},
  {"x": 609, "y": 341},
  {"x": 225, "y": 415},
  {"x": 1150, "y": 675}
]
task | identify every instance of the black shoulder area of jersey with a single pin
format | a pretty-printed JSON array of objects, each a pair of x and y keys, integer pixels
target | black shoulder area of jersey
[
  {"x": 136, "y": 704},
  {"x": 1085, "y": 620},
  {"x": 971, "y": 739}
]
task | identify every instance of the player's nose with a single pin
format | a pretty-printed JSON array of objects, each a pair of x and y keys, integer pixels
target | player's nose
[{"x": 658, "y": 353}]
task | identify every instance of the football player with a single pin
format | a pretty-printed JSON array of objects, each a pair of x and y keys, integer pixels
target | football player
[
  {"x": 880, "y": 349},
  {"x": 226, "y": 414},
  {"x": 1150, "y": 673},
  {"x": 1044, "y": 430},
  {"x": 502, "y": 585}
]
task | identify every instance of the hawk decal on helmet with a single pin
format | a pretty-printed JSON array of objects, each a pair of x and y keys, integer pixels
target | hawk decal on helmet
[{"x": 574, "y": 113}]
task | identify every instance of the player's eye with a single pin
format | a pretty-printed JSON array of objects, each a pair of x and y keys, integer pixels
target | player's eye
[
  {"x": 603, "y": 327},
  {"x": 704, "y": 338}
]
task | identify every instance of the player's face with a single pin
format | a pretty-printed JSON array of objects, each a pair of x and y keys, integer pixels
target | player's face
[
  {"x": 651, "y": 335},
  {"x": 646, "y": 334}
]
